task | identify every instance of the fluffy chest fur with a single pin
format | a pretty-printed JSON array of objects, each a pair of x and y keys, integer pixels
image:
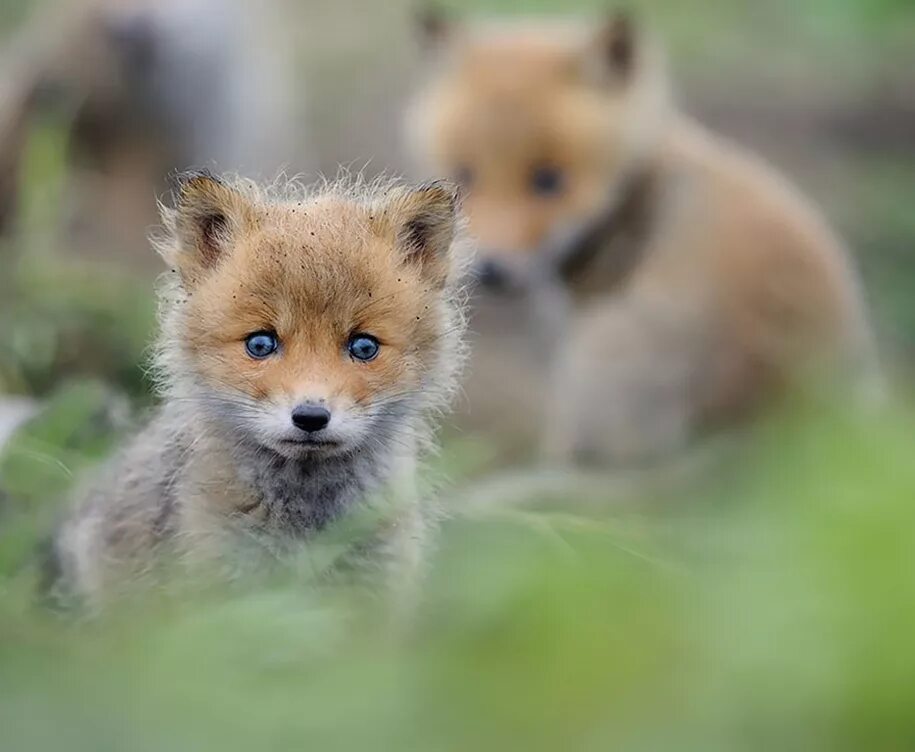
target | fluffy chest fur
[
  {"x": 265, "y": 493},
  {"x": 351, "y": 296}
]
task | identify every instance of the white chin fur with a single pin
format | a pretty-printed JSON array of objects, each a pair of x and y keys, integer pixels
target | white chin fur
[{"x": 294, "y": 450}]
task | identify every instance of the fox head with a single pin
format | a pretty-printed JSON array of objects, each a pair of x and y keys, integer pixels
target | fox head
[
  {"x": 541, "y": 124},
  {"x": 313, "y": 324}
]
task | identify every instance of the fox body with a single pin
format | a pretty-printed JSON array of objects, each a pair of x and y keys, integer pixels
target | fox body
[
  {"x": 306, "y": 342},
  {"x": 679, "y": 280}
]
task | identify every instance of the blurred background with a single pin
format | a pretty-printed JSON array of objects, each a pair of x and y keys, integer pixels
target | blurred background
[{"x": 774, "y": 609}]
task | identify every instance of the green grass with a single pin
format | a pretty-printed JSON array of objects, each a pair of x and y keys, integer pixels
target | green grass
[
  {"x": 882, "y": 225},
  {"x": 826, "y": 23},
  {"x": 773, "y": 610},
  {"x": 776, "y": 613},
  {"x": 66, "y": 319}
]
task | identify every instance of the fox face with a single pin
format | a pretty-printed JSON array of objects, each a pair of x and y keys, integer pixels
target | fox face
[
  {"x": 309, "y": 326},
  {"x": 540, "y": 125}
]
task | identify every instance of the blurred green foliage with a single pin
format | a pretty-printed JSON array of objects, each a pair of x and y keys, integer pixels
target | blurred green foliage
[
  {"x": 65, "y": 317},
  {"x": 831, "y": 21},
  {"x": 75, "y": 428},
  {"x": 776, "y": 615},
  {"x": 879, "y": 214},
  {"x": 12, "y": 13}
]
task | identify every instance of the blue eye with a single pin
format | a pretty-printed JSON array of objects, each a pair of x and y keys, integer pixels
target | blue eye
[
  {"x": 546, "y": 180},
  {"x": 261, "y": 344},
  {"x": 363, "y": 347}
]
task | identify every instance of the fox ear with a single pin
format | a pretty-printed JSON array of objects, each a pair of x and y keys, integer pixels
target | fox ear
[
  {"x": 423, "y": 224},
  {"x": 434, "y": 26},
  {"x": 208, "y": 214},
  {"x": 617, "y": 44}
]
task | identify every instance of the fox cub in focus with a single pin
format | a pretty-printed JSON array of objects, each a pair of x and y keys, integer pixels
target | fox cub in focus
[
  {"x": 684, "y": 282},
  {"x": 306, "y": 341}
]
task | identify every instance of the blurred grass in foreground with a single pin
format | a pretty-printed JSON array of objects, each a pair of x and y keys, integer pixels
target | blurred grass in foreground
[
  {"x": 65, "y": 318},
  {"x": 68, "y": 320},
  {"x": 776, "y": 614}
]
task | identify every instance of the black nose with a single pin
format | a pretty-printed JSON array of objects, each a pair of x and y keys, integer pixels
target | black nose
[
  {"x": 492, "y": 275},
  {"x": 310, "y": 417}
]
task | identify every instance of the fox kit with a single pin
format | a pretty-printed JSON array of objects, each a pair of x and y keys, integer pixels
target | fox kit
[
  {"x": 306, "y": 341},
  {"x": 679, "y": 281}
]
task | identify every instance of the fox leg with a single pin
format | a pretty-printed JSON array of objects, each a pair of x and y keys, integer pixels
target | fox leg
[{"x": 625, "y": 385}]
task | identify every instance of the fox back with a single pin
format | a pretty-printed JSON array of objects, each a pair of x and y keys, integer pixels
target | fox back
[{"x": 674, "y": 281}]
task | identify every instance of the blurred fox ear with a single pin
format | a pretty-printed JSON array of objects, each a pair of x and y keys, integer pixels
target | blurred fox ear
[
  {"x": 422, "y": 222},
  {"x": 208, "y": 215},
  {"x": 434, "y": 26},
  {"x": 616, "y": 44}
]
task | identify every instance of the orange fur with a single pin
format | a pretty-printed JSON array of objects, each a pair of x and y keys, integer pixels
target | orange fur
[
  {"x": 225, "y": 460},
  {"x": 737, "y": 288},
  {"x": 315, "y": 273},
  {"x": 516, "y": 97}
]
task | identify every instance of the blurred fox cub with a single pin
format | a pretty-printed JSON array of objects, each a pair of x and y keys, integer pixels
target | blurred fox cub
[
  {"x": 307, "y": 339},
  {"x": 688, "y": 283}
]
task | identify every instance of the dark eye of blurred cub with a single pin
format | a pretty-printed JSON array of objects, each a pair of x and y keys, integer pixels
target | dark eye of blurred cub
[
  {"x": 463, "y": 176},
  {"x": 546, "y": 180},
  {"x": 363, "y": 347},
  {"x": 261, "y": 344}
]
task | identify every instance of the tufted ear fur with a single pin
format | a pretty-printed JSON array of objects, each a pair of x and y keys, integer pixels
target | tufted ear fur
[
  {"x": 422, "y": 222},
  {"x": 615, "y": 47},
  {"x": 434, "y": 27},
  {"x": 208, "y": 215}
]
